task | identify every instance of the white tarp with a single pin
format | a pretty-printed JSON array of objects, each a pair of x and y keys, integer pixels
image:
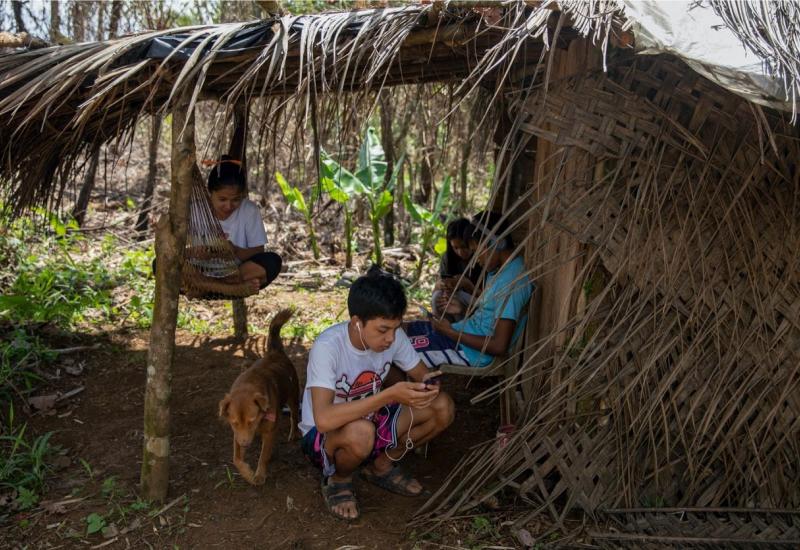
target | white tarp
[{"x": 692, "y": 31}]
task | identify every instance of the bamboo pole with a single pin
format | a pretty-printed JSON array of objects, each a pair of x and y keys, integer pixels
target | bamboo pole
[{"x": 170, "y": 243}]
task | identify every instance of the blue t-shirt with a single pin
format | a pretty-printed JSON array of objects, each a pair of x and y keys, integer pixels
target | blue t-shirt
[{"x": 505, "y": 295}]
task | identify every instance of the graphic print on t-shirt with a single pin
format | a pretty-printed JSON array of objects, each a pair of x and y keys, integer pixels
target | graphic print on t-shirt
[{"x": 365, "y": 384}]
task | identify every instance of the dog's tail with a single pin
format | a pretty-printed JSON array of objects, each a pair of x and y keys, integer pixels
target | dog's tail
[{"x": 274, "y": 343}]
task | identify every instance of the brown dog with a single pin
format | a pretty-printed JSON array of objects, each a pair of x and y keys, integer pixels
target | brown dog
[{"x": 255, "y": 401}]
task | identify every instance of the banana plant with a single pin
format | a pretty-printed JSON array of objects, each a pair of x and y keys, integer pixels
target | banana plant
[
  {"x": 432, "y": 228},
  {"x": 344, "y": 188},
  {"x": 295, "y": 198},
  {"x": 367, "y": 183}
]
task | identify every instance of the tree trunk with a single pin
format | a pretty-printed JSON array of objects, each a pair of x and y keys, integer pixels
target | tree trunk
[
  {"x": 55, "y": 22},
  {"x": 101, "y": 17},
  {"x": 82, "y": 204},
  {"x": 466, "y": 151},
  {"x": 152, "y": 167},
  {"x": 425, "y": 180},
  {"x": 400, "y": 187},
  {"x": 238, "y": 146},
  {"x": 387, "y": 139},
  {"x": 78, "y": 24},
  {"x": 113, "y": 21},
  {"x": 16, "y": 7},
  {"x": 170, "y": 244}
]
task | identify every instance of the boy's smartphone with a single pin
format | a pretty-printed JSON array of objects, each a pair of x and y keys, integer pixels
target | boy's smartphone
[
  {"x": 434, "y": 380},
  {"x": 425, "y": 313}
]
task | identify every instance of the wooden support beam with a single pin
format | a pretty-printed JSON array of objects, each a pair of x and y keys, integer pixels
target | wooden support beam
[
  {"x": 560, "y": 254},
  {"x": 238, "y": 150},
  {"x": 170, "y": 243}
]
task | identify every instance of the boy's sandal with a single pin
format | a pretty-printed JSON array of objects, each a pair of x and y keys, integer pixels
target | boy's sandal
[
  {"x": 339, "y": 493},
  {"x": 395, "y": 481}
]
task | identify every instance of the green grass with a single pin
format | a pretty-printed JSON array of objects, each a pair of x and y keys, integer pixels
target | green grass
[
  {"x": 307, "y": 332},
  {"x": 54, "y": 281},
  {"x": 23, "y": 465}
]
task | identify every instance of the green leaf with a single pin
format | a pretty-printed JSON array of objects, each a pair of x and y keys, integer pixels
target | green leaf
[
  {"x": 283, "y": 184},
  {"x": 371, "y": 161},
  {"x": 335, "y": 193},
  {"x": 25, "y": 498},
  {"x": 393, "y": 180},
  {"x": 383, "y": 205},
  {"x": 441, "y": 246},
  {"x": 341, "y": 177},
  {"x": 94, "y": 523},
  {"x": 412, "y": 208},
  {"x": 442, "y": 197},
  {"x": 292, "y": 194}
]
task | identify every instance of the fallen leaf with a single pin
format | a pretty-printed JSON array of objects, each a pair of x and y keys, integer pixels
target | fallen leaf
[
  {"x": 110, "y": 531},
  {"x": 53, "y": 507},
  {"x": 43, "y": 402},
  {"x": 75, "y": 370},
  {"x": 525, "y": 538},
  {"x": 289, "y": 503},
  {"x": 135, "y": 524}
]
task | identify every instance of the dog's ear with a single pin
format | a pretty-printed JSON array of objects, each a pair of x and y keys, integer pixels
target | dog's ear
[
  {"x": 262, "y": 401},
  {"x": 223, "y": 405}
]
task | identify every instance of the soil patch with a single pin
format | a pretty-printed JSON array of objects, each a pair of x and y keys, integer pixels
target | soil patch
[{"x": 101, "y": 431}]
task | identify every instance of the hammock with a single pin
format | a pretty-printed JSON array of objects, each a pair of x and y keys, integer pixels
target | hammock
[{"x": 210, "y": 267}]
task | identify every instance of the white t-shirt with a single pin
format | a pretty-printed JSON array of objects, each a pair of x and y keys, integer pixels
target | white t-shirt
[
  {"x": 335, "y": 364},
  {"x": 244, "y": 227}
]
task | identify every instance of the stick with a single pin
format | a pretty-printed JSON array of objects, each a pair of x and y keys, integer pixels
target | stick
[
  {"x": 106, "y": 543},
  {"x": 72, "y": 350},
  {"x": 70, "y": 393},
  {"x": 167, "y": 507}
]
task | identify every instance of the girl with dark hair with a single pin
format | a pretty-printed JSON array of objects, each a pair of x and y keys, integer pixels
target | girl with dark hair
[
  {"x": 458, "y": 280},
  {"x": 241, "y": 221},
  {"x": 499, "y": 312}
]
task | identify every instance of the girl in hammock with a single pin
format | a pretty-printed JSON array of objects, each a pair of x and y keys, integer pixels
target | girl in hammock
[{"x": 241, "y": 222}]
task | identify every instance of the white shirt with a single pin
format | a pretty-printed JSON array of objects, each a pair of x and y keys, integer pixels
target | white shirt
[
  {"x": 335, "y": 364},
  {"x": 244, "y": 227}
]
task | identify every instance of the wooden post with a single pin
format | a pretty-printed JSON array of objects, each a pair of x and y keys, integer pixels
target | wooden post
[
  {"x": 238, "y": 150},
  {"x": 558, "y": 291},
  {"x": 170, "y": 243}
]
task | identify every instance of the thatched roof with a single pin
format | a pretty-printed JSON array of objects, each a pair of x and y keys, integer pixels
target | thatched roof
[{"x": 58, "y": 103}]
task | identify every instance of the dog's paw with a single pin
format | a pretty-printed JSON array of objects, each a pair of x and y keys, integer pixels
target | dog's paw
[
  {"x": 245, "y": 471},
  {"x": 259, "y": 479}
]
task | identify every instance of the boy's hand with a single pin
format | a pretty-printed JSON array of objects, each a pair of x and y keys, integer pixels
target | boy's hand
[{"x": 413, "y": 394}]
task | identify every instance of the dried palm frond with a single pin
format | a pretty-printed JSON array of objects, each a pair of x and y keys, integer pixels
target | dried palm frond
[
  {"x": 58, "y": 103},
  {"x": 772, "y": 31}
]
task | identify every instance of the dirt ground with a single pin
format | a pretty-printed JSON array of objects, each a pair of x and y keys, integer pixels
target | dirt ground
[{"x": 100, "y": 432}]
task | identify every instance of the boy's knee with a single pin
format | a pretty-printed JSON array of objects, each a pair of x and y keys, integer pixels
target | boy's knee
[
  {"x": 359, "y": 437},
  {"x": 445, "y": 410}
]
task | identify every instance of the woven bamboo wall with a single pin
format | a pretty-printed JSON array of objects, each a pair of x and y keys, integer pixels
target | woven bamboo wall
[
  {"x": 690, "y": 379},
  {"x": 679, "y": 385}
]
